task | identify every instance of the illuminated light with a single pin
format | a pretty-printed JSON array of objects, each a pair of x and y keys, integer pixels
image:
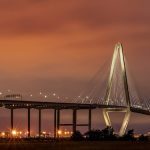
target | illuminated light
[
  {"x": 14, "y": 132},
  {"x": 45, "y": 96},
  {"x": 26, "y": 133},
  {"x": 40, "y": 93},
  {"x": 1, "y": 93},
  {"x": 31, "y": 95},
  {"x": 87, "y": 97},
  {"x": 44, "y": 132},
  {"x": 20, "y": 132},
  {"x": 3, "y": 133},
  {"x": 54, "y": 94},
  {"x": 59, "y": 132}
]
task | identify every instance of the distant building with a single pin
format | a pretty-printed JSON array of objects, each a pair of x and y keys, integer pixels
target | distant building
[{"x": 13, "y": 97}]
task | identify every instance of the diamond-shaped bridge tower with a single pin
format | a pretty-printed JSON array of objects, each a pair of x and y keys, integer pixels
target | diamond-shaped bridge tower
[{"x": 117, "y": 91}]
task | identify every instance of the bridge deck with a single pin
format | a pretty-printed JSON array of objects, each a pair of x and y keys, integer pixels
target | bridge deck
[{"x": 15, "y": 104}]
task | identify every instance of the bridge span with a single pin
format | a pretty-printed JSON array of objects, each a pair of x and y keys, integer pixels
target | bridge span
[
  {"x": 57, "y": 107},
  {"x": 17, "y": 104}
]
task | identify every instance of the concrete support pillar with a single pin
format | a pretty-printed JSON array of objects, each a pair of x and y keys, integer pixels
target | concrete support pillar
[
  {"x": 74, "y": 120},
  {"x": 12, "y": 119},
  {"x": 55, "y": 123},
  {"x": 90, "y": 119},
  {"x": 39, "y": 122},
  {"x": 58, "y": 122},
  {"x": 29, "y": 119}
]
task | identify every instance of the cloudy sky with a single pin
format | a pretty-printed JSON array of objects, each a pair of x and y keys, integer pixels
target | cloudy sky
[{"x": 58, "y": 45}]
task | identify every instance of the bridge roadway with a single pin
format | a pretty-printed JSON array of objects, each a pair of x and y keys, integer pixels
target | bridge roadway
[
  {"x": 19, "y": 104},
  {"x": 57, "y": 107}
]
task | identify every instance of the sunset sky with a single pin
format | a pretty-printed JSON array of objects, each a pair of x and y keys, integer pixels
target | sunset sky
[{"x": 58, "y": 45}]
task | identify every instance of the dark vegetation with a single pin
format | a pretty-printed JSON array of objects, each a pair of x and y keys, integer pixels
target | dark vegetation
[{"x": 107, "y": 134}]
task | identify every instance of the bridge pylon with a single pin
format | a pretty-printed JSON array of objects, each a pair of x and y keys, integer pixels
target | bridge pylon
[{"x": 118, "y": 53}]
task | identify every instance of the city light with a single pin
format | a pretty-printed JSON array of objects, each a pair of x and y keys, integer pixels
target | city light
[
  {"x": 20, "y": 132},
  {"x": 87, "y": 97},
  {"x": 64, "y": 133},
  {"x": 59, "y": 132},
  {"x": 44, "y": 132},
  {"x": 3, "y": 134},
  {"x": 14, "y": 132}
]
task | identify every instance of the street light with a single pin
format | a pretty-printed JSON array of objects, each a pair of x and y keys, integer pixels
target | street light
[
  {"x": 59, "y": 132},
  {"x": 14, "y": 132}
]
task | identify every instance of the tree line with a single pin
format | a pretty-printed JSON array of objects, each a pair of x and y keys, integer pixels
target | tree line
[{"x": 107, "y": 134}]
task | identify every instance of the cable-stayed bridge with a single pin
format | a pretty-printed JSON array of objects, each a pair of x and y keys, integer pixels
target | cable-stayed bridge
[{"x": 116, "y": 94}]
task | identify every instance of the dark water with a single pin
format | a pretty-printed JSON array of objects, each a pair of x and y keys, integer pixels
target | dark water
[{"x": 68, "y": 145}]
